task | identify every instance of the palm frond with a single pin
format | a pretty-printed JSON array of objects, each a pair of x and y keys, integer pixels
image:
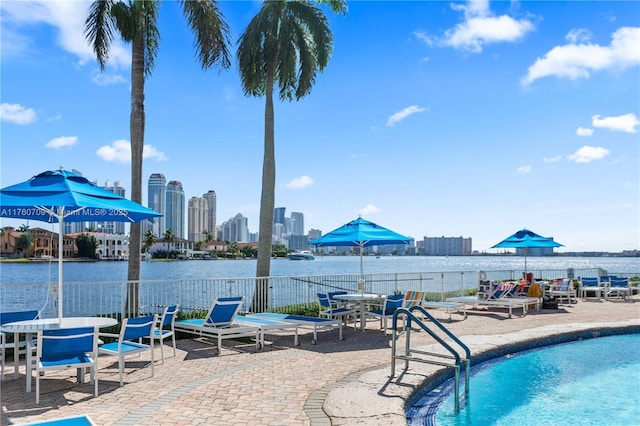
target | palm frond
[
  {"x": 211, "y": 32},
  {"x": 98, "y": 29}
]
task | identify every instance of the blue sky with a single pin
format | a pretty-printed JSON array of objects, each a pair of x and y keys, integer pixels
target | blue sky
[{"x": 433, "y": 118}]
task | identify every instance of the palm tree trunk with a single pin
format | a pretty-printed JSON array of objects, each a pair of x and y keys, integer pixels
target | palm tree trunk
[
  {"x": 267, "y": 202},
  {"x": 136, "y": 128}
]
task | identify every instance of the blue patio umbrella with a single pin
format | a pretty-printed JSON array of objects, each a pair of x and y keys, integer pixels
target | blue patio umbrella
[
  {"x": 360, "y": 233},
  {"x": 526, "y": 239},
  {"x": 60, "y": 196}
]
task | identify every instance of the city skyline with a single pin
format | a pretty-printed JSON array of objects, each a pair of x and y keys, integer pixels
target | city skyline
[{"x": 471, "y": 119}]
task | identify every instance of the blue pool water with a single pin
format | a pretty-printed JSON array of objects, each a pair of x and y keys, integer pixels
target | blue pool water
[{"x": 587, "y": 382}]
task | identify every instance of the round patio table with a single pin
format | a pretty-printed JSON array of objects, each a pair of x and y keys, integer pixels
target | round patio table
[
  {"x": 361, "y": 298},
  {"x": 30, "y": 327}
]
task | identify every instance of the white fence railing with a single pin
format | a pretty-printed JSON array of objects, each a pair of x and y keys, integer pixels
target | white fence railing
[{"x": 110, "y": 297}]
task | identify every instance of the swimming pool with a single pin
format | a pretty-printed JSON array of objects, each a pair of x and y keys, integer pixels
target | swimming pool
[{"x": 586, "y": 382}]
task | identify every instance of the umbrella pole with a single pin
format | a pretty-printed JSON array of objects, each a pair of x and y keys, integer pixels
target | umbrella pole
[
  {"x": 60, "y": 247},
  {"x": 525, "y": 262},
  {"x": 361, "y": 281}
]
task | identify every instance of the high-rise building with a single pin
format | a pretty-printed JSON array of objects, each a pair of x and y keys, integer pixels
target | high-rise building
[
  {"x": 112, "y": 227},
  {"x": 297, "y": 223},
  {"x": 235, "y": 229},
  {"x": 156, "y": 200},
  {"x": 278, "y": 215},
  {"x": 174, "y": 215},
  {"x": 198, "y": 212},
  {"x": 445, "y": 246},
  {"x": 211, "y": 218}
]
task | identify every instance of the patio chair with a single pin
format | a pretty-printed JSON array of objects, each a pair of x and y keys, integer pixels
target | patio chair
[
  {"x": 132, "y": 329},
  {"x": 18, "y": 346},
  {"x": 165, "y": 328},
  {"x": 62, "y": 349},
  {"x": 391, "y": 303},
  {"x": 563, "y": 289},
  {"x": 220, "y": 323},
  {"x": 591, "y": 285},
  {"x": 619, "y": 287},
  {"x": 413, "y": 298},
  {"x": 502, "y": 290},
  {"x": 336, "y": 303},
  {"x": 327, "y": 310}
]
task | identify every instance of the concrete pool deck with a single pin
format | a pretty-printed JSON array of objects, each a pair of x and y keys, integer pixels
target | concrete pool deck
[{"x": 333, "y": 382}]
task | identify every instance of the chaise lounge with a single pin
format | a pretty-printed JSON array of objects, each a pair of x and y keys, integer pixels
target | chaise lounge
[{"x": 221, "y": 323}]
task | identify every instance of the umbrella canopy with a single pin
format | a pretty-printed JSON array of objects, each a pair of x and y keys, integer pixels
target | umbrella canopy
[
  {"x": 360, "y": 233},
  {"x": 60, "y": 196},
  {"x": 526, "y": 239}
]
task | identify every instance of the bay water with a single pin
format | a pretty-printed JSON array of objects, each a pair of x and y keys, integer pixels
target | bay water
[{"x": 47, "y": 271}]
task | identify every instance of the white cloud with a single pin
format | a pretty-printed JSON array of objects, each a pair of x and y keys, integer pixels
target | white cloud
[
  {"x": 66, "y": 17},
  {"x": 481, "y": 28},
  {"x": 583, "y": 131},
  {"x": 578, "y": 35},
  {"x": 120, "y": 151},
  {"x": 368, "y": 209},
  {"x": 105, "y": 79},
  {"x": 623, "y": 123},
  {"x": 587, "y": 154},
  {"x": 62, "y": 141},
  {"x": 555, "y": 159},
  {"x": 300, "y": 182},
  {"x": 401, "y": 115},
  {"x": 574, "y": 61},
  {"x": 17, "y": 114},
  {"x": 523, "y": 170}
]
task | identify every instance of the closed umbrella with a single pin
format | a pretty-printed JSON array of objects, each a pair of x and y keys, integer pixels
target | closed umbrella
[
  {"x": 526, "y": 239},
  {"x": 360, "y": 233},
  {"x": 60, "y": 196}
]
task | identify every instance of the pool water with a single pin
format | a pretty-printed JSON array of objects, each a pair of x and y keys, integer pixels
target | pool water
[{"x": 587, "y": 382}]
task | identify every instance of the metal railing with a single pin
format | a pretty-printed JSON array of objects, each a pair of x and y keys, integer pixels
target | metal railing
[
  {"x": 459, "y": 354},
  {"x": 87, "y": 298}
]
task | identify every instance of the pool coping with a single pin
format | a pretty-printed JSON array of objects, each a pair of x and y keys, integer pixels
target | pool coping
[{"x": 371, "y": 397}]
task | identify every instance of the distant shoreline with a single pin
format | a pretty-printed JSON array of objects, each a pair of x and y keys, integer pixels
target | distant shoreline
[{"x": 625, "y": 254}]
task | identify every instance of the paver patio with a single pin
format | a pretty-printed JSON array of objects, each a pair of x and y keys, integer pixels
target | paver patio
[{"x": 333, "y": 382}]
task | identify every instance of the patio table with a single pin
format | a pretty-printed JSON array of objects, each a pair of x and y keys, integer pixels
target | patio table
[
  {"x": 30, "y": 327},
  {"x": 362, "y": 299}
]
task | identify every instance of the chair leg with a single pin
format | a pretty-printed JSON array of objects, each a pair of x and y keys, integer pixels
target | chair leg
[
  {"x": 162, "y": 349},
  {"x": 173, "y": 338},
  {"x": 121, "y": 368}
]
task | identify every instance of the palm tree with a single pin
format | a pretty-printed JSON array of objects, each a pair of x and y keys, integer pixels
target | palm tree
[
  {"x": 136, "y": 21},
  {"x": 169, "y": 238},
  {"x": 287, "y": 43},
  {"x": 149, "y": 240}
]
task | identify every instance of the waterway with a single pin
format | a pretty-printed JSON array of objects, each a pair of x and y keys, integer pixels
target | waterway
[{"x": 42, "y": 272}]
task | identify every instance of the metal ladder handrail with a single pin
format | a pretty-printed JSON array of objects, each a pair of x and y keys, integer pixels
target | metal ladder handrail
[{"x": 455, "y": 356}]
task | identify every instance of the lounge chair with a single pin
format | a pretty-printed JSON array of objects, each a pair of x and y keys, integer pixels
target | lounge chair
[
  {"x": 221, "y": 323},
  {"x": 67, "y": 348},
  {"x": 391, "y": 303},
  {"x": 165, "y": 328},
  {"x": 413, "y": 298},
  {"x": 619, "y": 287},
  {"x": 269, "y": 325},
  {"x": 17, "y": 345},
  {"x": 591, "y": 285},
  {"x": 132, "y": 329},
  {"x": 563, "y": 289},
  {"x": 314, "y": 323}
]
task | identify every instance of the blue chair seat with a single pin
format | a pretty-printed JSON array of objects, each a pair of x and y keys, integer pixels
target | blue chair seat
[{"x": 126, "y": 347}]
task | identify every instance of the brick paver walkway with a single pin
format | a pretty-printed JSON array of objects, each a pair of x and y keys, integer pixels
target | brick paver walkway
[{"x": 278, "y": 385}]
